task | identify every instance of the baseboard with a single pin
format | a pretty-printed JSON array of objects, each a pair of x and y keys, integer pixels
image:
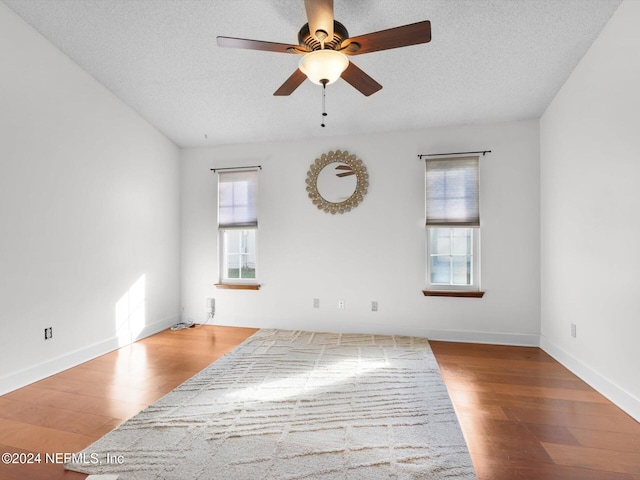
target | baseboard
[
  {"x": 619, "y": 396},
  {"x": 42, "y": 370}
]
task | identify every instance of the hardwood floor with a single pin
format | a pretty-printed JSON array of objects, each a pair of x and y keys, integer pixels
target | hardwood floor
[
  {"x": 68, "y": 411},
  {"x": 524, "y": 416}
]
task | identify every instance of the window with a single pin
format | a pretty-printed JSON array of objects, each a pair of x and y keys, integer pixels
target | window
[
  {"x": 453, "y": 225},
  {"x": 238, "y": 224},
  {"x": 239, "y": 257},
  {"x": 451, "y": 257}
]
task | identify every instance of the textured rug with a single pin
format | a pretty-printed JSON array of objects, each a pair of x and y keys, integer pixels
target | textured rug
[{"x": 296, "y": 405}]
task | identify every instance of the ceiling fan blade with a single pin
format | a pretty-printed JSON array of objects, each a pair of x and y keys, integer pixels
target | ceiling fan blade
[
  {"x": 258, "y": 45},
  {"x": 320, "y": 17},
  {"x": 360, "y": 80},
  {"x": 403, "y": 36},
  {"x": 290, "y": 84}
]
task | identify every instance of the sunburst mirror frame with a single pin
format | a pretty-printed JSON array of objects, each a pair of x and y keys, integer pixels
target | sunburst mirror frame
[{"x": 358, "y": 168}]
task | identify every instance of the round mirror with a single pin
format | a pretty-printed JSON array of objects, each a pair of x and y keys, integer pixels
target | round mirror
[{"x": 337, "y": 182}]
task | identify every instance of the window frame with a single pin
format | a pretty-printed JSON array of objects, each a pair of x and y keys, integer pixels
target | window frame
[
  {"x": 438, "y": 215},
  {"x": 475, "y": 264},
  {"x": 242, "y": 224},
  {"x": 223, "y": 258}
]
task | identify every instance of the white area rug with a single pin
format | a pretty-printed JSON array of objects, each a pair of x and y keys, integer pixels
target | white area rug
[{"x": 297, "y": 405}]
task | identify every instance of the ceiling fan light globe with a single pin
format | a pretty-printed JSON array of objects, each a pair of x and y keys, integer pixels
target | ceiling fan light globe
[{"x": 322, "y": 65}]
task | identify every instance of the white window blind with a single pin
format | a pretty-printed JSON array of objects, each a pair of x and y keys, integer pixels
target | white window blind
[
  {"x": 452, "y": 192},
  {"x": 237, "y": 199}
]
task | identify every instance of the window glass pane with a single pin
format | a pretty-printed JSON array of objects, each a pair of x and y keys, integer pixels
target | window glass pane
[
  {"x": 461, "y": 270},
  {"x": 461, "y": 241},
  {"x": 248, "y": 266},
  {"x": 440, "y": 241},
  {"x": 232, "y": 268},
  {"x": 232, "y": 239},
  {"x": 248, "y": 241},
  {"x": 440, "y": 270},
  {"x": 451, "y": 260},
  {"x": 239, "y": 255}
]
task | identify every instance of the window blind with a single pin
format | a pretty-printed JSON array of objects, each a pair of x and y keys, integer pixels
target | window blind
[
  {"x": 237, "y": 199},
  {"x": 452, "y": 192}
]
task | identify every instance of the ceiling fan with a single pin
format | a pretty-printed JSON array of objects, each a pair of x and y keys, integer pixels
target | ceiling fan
[{"x": 325, "y": 44}]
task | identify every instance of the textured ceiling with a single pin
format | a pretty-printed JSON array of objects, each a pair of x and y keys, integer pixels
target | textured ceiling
[{"x": 488, "y": 61}]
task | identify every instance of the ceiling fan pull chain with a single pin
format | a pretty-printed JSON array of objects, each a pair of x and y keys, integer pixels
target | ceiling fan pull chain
[{"x": 324, "y": 110}]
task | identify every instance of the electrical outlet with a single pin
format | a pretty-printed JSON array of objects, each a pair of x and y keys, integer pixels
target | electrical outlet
[
  {"x": 316, "y": 303},
  {"x": 374, "y": 306},
  {"x": 340, "y": 304},
  {"x": 48, "y": 333},
  {"x": 573, "y": 330}
]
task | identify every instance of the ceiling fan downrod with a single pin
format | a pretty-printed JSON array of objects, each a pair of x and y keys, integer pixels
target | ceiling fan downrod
[{"x": 324, "y": 110}]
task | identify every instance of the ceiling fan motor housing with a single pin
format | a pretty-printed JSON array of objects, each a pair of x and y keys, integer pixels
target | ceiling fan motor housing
[{"x": 309, "y": 41}]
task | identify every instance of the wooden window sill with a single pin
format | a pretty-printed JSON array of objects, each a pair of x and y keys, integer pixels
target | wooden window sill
[
  {"x": 452, "y": 293},
  {"x": 238, "y": 286}
]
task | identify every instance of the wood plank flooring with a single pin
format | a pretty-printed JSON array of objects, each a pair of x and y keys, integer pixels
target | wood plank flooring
[
  {"x": 524, "y": 415},
  {"x": 68, "y": 411}
]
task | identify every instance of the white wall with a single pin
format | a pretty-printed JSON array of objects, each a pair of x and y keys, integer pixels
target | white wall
[
  {"x": 377, "y": 251},
  {"x": 91, "y": 225},
  {"x": 590, "y": 171},
  {"x": 89, "y": 197}
]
